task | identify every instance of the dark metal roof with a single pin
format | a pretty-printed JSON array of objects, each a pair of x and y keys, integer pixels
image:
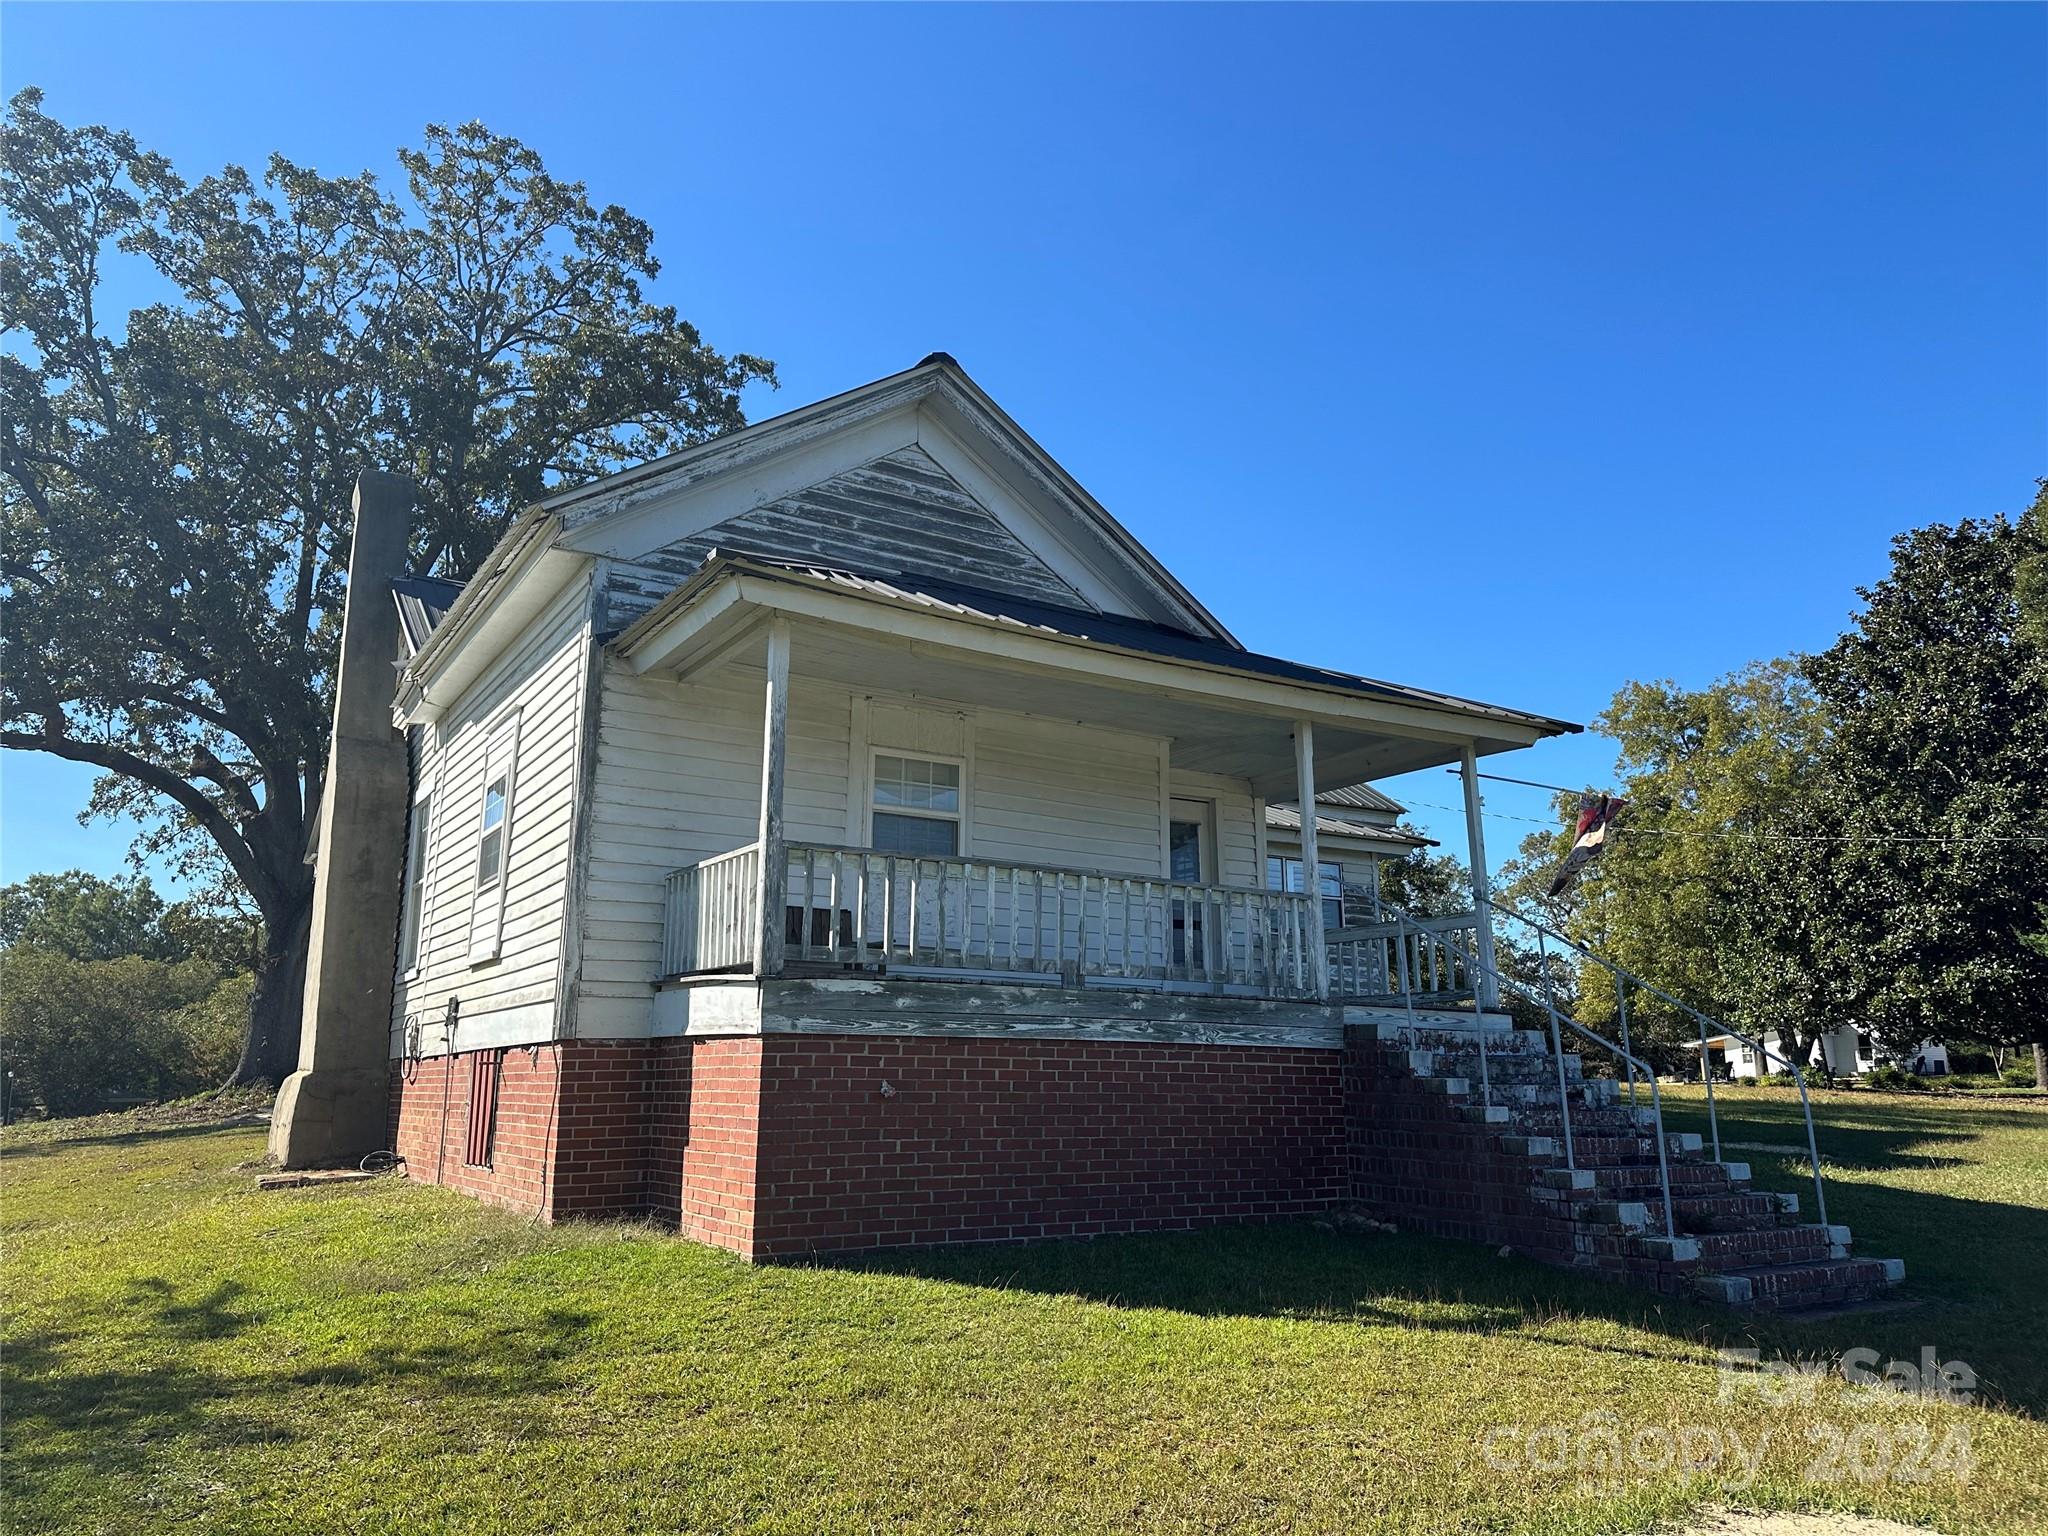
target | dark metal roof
[
  {"x": 423, "y": 602},
  {"x": 1124, "y": 633}
]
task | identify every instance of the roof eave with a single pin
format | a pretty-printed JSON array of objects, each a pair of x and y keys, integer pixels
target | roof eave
[{"x": 719, "y": 568}]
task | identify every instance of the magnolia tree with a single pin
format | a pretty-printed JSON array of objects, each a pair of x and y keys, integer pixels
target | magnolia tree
[{"x": 175, "y": 483}]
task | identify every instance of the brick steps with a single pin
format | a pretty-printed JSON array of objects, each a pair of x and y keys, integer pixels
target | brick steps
[
  {"x": 1482, "y": 1157},
  {"x": 1735, "y": 1211},
  {"x": 1788, "y": 1287}
]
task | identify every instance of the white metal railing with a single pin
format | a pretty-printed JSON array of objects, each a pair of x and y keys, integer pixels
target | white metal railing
[
  {"x": 1708, "y": 1027},
  {"x": 708, "y": 914},
  {"x": 856, "y": 906},
  {"x": 1468, "y": 951},
  {"x": 1424, "y": 958}
]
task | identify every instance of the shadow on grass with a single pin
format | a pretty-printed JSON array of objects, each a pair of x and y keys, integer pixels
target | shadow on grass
[
  {"x": 1976, "y": 1265},
  {"x": 63, "y": 1418},
  {"x": 1854, "y": 1130},
  {"x": 49, "y": 1143}
]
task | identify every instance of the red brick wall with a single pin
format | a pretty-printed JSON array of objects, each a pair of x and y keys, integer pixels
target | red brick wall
[
  {"x": 790, "y": 1144},
  {"x": 704, "y": 1138},
  {"x": 430, "y": 1111},
  {"x": 989, "y": 1140}
]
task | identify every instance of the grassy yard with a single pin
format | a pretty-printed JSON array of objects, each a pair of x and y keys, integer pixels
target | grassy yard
[{"x": 183, "y": 1353}]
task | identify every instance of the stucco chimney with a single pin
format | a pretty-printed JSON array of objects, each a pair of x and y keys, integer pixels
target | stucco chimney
[{"x": 333, "y": 1109}]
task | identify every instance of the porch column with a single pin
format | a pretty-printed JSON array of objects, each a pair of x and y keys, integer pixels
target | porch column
[
  {"x": 770, "y": 897},
  {"x": 1311, "y": 879},
  {"x": 1485, "y": 986}
]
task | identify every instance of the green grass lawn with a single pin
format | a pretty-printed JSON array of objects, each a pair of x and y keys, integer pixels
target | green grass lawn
[{"x": 183, "y": 1353}]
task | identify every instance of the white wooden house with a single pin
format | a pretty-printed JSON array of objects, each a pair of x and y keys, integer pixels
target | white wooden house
[{"x": 976, "y": 728}]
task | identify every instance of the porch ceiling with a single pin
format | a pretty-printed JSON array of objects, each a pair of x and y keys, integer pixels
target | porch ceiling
[{"x": 1219, "y": 723}]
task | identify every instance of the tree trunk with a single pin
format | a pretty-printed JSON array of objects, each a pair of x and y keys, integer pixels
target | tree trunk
[
  {"x": 2040, "y": 1064},
  {"x": 270, "y": 1052}
]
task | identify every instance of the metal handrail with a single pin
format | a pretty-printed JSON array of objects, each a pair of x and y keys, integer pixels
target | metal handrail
[
  {"x": 1560, "y": 1021},
  {"x": 1622, "y": 974}
]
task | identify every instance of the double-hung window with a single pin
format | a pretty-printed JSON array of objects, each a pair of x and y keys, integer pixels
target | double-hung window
[
  {"x": 494, "y": 841},
  {"x": 916, "y": 805},
  {"x": 1285, "y": 875}
]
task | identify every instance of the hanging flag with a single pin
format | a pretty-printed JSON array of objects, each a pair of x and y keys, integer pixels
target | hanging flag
[{"x": 1597, "y": 814}]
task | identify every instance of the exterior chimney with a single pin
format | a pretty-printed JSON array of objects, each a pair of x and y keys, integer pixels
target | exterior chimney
[{"x": 333, "y": 1110}]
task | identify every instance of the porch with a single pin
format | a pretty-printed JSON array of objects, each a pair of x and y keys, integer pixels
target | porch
[
  {"x": 847, "y": 910},
  {"x": 1035, "y": 729}
]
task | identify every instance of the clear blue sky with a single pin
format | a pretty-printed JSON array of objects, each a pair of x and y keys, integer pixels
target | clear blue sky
[{"x": 1512, "y": 351}]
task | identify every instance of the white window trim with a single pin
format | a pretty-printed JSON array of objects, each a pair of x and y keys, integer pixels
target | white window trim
[
  {"x": 958, "y": 818},
  {"x": 412, "y": 931},
  {"x": 485, "y": 939}
]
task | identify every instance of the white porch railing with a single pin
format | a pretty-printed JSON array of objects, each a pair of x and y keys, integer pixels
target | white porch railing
[
  {"x": 1425, "y": 958},
  {"x": 708, "y": 915},
  {"x": 852, "y": 906}
]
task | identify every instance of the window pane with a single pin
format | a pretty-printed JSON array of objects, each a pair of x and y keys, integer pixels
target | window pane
[
  {"x": 489, "y": 858},
  {"x": 494, "y": 802},
  {"x": 1275, "y": 879},
  {"x": 916, "y": 783},
  {"x": 1184, "y": 851},
  {"x": 1331, "y": 878},
  {"x": 916, "y": 834}
]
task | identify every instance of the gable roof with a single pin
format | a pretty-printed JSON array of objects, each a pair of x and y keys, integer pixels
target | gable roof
[
  {"x": 947, "y": 404},
  {"x": 423, "y": 602},
  {"x": 1104, "y": 629}
]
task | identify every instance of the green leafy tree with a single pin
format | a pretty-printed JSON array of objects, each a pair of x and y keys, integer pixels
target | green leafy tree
[
  {"x": 174, "y": 490},
  {"x": 1425, "y": 884},
  {"x": 1936, "y": 784},
  {"x": 1717, "y": 779},
  {"x": 85, "y": 1035},
  {"x": 86, "y": 917}
]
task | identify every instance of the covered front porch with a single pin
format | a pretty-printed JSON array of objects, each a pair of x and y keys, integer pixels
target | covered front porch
[
  {"x": 934, "y": 878},
  {"x": 859, "y": 909}
]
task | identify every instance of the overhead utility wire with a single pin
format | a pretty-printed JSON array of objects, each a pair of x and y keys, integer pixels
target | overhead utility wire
[{"x": 1750, "y": 837}]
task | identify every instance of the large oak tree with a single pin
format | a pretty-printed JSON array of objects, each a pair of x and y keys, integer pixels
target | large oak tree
[{"x": 176, "y": 485}]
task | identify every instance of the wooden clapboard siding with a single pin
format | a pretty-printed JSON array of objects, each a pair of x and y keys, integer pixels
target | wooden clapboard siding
[
  {"x": 1048, "y": 792},
  {"x": 678, "y": 779},
  {"x": 901, "y": 514},
  {"x": 510, "y": 999}
]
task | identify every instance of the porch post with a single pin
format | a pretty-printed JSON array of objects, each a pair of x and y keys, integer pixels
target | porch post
[
  {"x": 1305, "y": 785},
  {"x": 774, "y": 868},
  {"x": 1485, "y": 987}
]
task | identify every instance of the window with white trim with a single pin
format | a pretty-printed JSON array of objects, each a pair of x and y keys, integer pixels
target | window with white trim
[
  {"x": 494, "y": 841},
  {"x": 914, "y": 805},
  {"x": 415, "y": 881},
  {"x": 1285, "y": 875}
]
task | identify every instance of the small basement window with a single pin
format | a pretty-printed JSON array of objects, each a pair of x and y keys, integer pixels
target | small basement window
[{"x": 915, "y": 805}]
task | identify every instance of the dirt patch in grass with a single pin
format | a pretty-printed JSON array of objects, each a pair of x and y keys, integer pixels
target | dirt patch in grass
[{"x": 1749, "y": 1522}]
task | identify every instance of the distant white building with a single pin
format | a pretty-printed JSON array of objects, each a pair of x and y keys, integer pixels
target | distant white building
[{"x": 1848, "y": 1052}]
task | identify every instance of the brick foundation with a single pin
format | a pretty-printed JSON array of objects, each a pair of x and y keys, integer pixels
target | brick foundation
[
  {"x": 900, "y": 1141},
  {"x": 784, "y": 1145}
]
